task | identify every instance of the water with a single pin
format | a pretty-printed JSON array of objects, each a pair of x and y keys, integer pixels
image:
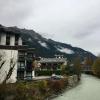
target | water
[{"x": 88, "y": 89}]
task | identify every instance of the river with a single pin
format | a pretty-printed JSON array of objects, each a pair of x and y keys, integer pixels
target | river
[{"x": 88, "y": 89}]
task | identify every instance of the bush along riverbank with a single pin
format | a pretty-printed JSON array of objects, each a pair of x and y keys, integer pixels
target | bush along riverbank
[
  {"x": 38, "y": 90},
  {"x": 68, "y": 83}
]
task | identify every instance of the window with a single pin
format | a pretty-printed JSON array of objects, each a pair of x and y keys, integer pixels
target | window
[
  {"x": 21, "y": 53},
  {"x": 21, "y": 64},
  {"x": 20, "y": 75},
  {"x": 29, "y": 75},
  {"x": 29, "y": 65},
  {"x": 8, "y": 39},
  {"x": 30, "y": 55},
  {"x": 16, "y": 39}
]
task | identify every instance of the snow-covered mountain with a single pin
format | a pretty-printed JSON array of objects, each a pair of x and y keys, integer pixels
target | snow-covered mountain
[{"x": 48, "y": 47}]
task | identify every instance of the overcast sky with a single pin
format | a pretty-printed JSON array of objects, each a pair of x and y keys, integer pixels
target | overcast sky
[{"x": 76, "y": 22}]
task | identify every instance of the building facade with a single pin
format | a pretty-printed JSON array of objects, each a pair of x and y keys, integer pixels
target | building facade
[
  {"x": 50, "y": 64},
  {"x": 15, "y": 57}
]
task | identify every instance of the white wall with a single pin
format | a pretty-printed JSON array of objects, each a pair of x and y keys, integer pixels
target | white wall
[
  {"x": 12, "y": 40},
  {"x": 8, "y": 54},
  {"x": 3, "y": 39},
  {"x": 20, "y": 41},
  {"x": 33, "y": 74}
]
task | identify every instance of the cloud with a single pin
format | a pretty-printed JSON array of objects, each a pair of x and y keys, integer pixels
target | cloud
[
  {"x": 14, "y": 12},
  {"x": 71, "y": 21}
]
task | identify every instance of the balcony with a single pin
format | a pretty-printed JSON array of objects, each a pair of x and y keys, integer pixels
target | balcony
[{"x": 21, "y": 68}]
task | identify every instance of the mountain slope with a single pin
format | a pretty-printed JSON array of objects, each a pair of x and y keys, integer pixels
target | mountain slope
[{"x": 48, "y": 47}]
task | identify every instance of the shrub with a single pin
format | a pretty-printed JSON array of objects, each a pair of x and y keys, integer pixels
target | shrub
[
  {"x": 2, "y": 91},
  {"x": 24, "y": 91},
  {"x": 57, "y": 85},
  {"x": 43, "y": 86}
]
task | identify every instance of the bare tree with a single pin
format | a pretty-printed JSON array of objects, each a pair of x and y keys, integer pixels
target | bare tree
[
  {"x": 2, "y": 60},
  {"x": 12, "y": 62},
  {"x": 11, "y": 69}
]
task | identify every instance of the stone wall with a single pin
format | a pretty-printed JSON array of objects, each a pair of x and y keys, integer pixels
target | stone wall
[{"x": 72, "y": 80}]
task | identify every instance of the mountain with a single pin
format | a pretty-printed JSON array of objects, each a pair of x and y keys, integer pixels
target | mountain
[{"x": 48, "y": 47}]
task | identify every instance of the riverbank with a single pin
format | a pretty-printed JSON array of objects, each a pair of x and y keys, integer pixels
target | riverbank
[
  {"x": 37, "y": 90},
  {"x": 87, "y": 89},
  {"x": 72, "y": 81}
]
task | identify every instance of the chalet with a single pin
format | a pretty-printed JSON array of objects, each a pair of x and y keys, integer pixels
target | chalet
[
  {"x": 51, "y": 64},
  {"x": 15, "y": 57}
]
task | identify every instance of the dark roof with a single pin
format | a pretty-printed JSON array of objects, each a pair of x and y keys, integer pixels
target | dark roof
[
  {"x": 17, "y": 47},
  {"x": 52, "y": 60},
  {"x": 10, "y": 30}
]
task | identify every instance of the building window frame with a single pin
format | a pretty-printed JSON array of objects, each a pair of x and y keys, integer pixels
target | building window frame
[{"x": 7, "y": 39}]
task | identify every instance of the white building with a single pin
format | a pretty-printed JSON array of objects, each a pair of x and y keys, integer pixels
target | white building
[{"x": 13, "y": 57}]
